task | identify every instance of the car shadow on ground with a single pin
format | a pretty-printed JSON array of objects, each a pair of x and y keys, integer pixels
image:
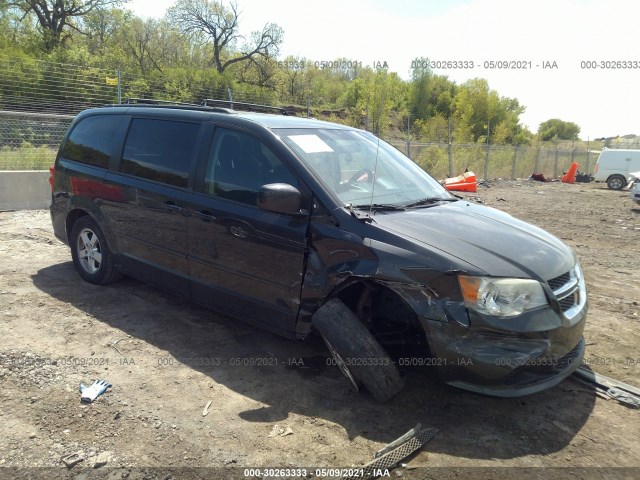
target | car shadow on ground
[{"x": 470, "y": 425}]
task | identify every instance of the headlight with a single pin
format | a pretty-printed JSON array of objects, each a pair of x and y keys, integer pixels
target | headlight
[{"x": 503, "y": 297}]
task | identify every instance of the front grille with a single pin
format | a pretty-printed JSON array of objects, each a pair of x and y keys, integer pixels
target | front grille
[
  {"x": 568, "y": 291},
  {"x": 567, "y": 302},
  {"x": 561, "y": 281}
]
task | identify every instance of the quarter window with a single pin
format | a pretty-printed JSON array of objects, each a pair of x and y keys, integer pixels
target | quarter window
[
  {"x": 160, "y": 150},
  {"x": 92, "y": 140}
]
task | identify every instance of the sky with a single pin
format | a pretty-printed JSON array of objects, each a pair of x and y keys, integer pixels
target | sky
[{"x": 558, "y": 34}]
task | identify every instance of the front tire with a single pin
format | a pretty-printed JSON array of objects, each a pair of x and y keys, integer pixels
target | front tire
[
  {"x": 356, "y": 350},
  {"x": 91, "y": 255},
  {"x": 616, "y": 182}
]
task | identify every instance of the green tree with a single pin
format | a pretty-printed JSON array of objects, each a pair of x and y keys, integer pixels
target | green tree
[
  {"x": 480, "y": 111},
  {"x": 433, "y": 129},
  {"x": 140, "y": 42},
  {"x": 421, "y": 76},
  {"x": 293, "y": 78},
  {"x": 371, "y": 98},
  {"x": 17, "y": 37},
  {"x": 430, "y": 94},
  {"x": 259, "y": 72},
  {"x": 102, "y": 27},
  {"x": 463, "y": 117},
  {"x": 56, "y": 17},
  {"x": 176, "y": 50},
  {"x": 556, "y": 127},
  {"x": 217, "y": 25}
]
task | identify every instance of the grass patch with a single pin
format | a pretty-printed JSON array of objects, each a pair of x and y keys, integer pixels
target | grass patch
[{"x": 27, "y": 157}]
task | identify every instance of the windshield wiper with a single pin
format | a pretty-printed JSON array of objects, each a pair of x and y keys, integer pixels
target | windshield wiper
[
  {"x": 379, "y": 207},
  {"x": 430, "y": 201}
]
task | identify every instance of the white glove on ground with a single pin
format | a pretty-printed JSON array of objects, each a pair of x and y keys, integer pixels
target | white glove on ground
[{"x": 90, "y": 393}]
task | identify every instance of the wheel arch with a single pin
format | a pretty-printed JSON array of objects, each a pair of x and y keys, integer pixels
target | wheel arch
[
  {"x": 72, "y": 217},
  {"x": 356, "y": 351},
  {"x": 385, "y": 311},
  {"x": 78, "y": 210},
  {"x": 91, "y": 255}
]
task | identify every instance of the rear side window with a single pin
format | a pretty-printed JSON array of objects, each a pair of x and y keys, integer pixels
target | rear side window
[
  {"x": 160, "y": 150},
  {"x": 92, "y": 140}
]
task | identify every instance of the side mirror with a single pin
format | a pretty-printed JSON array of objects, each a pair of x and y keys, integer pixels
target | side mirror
[{"x": 280, "y": 198}]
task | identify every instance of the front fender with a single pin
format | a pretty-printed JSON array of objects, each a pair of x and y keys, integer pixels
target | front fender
[{"x": 336, "y": 259}]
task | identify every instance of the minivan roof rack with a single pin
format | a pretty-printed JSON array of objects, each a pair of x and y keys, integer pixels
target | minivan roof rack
[
  {"x": 170, "y": 103},
  {"x": 208, "y": 104},
  {"x": 249, "y": 107},
  {"x": 153, "y": 101}
]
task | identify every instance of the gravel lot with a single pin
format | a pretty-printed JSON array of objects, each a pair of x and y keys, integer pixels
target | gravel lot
[{"x": 276, "y": 403}]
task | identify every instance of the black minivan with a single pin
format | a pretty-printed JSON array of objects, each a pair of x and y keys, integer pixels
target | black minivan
[{"x": 297, "y": 225}]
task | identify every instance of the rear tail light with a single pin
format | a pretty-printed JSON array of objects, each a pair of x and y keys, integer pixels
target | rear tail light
[{"x": 52, "y": 172}]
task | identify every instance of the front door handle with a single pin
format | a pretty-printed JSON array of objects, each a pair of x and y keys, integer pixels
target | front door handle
[
  {"x": 171, "y": 206},
  {"x": 204, "y": 215}
]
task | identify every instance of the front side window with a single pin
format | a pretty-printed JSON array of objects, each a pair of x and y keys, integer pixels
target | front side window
[
  {"x": 239, "y": 164},
  {"x": 360, "y": 169},
  {"x": 92, "y": 140},
  {"x": 160, "y": 150}
]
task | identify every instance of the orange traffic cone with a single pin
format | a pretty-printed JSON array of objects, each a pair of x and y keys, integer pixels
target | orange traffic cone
[
  {"x": 570, "y": 176},
  {"x": 462, "y": 183}
]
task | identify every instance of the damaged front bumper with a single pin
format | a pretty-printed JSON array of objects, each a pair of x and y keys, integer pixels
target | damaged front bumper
[
  {"x": 524, "y": 375},
  {"x": 509, "y": 363},
  {"x": 499, "y": 356}
]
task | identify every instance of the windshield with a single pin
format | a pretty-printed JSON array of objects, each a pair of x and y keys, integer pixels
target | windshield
[{"x": 362, "y": 170}]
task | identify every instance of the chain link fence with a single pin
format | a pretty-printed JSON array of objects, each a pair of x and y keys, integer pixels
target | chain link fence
[
  {"x": 39, "y": 99},
  {"x": 442, "y": 160},
  {"x": 28, "y": 85},
  {"x": 29, "y": 141}
]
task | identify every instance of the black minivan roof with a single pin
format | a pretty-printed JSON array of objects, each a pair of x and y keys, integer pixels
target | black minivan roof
[
  {"x": 281, "y": 121},
  {"x": 267, "y": 120}
]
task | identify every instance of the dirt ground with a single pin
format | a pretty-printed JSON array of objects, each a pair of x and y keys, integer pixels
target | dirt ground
[{"x": 276, "y": 403}]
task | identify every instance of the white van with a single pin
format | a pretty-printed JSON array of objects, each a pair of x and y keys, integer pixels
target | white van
[{"x": 615, "y": 165}]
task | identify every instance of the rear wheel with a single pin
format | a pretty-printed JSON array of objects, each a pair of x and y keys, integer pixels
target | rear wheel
[
  {"x": 356, "y": 351},
  {"x": 616, "y": 182},
  {"x": 91, "y": 255}
]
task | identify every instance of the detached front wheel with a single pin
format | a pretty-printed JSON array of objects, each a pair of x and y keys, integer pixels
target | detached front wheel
[
  {"x": 91, "y": 255},
  {"x": 356, "y": 352}
]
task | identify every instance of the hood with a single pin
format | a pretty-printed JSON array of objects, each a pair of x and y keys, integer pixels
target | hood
[{"x": 492, "y": 241}]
